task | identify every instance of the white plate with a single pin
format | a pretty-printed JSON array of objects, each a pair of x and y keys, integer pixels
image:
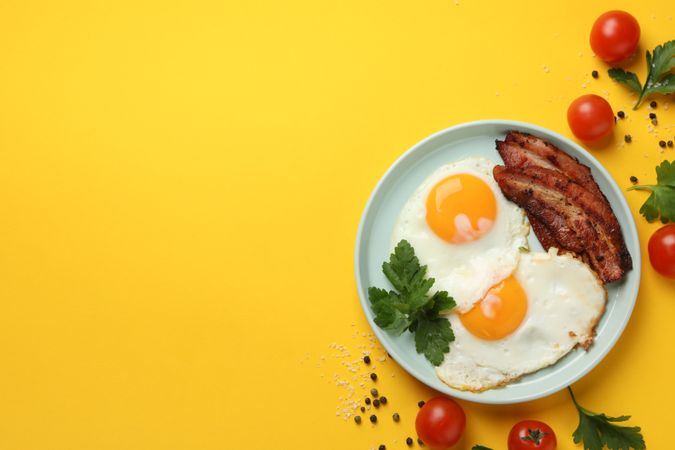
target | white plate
[{"x": 394, "y": 189}]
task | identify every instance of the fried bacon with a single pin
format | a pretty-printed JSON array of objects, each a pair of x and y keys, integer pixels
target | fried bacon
[
  {"x": 564, "y": 204},
  {"x": 571, "y": 224},
  {"x": 566, "y": 164},
  {"x": 543, "y": 233}
]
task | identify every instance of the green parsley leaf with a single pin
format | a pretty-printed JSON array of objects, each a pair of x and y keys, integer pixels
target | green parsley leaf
[
  {"x": 480, "y": 447},
  {"x": 627, "y": 78},
  {"x": 388, "y": 310},
  {"x": 599, "y": 430},
  {"x": 661, "y": 203},
  {"x": 433, "y": 337},
  {"x": 412, "y": 307},
  {"x": 660, "y": 80}
]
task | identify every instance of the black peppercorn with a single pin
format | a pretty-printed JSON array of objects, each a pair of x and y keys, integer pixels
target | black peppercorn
[
  {"x": 662, "y": 144},
  {"x": 652, "y": 104},
  {"x": 628, "y": 138},
  {"x": 396, "y": 417},
  {"x": 383, "y": 400},
  {"x": 376, "y": 403},
  {"x": 621, "y": 114},
  {"x": 633, "y": 179},
  {"x": 366, "y": 359},
  {"x": 419, "y": 441},
  {"x": 382, "y": 447},
  {"x": 373, "y": 376},
  {"x": 367, "y": 400},
  {"x": 594, "y": 74},
  {"x": 409, "y": 441},
  {"x": 420, "y": 403},
  {"x": 652, "y": 116},
  {"x": 655, "y": 122},
  {"x": 357, "y": 419},
  {"x": 373, "y": 392},
  {"x": 670, "y": 144},
  {"x": 363, "y": 409},
  {"x": 373, "y": 418}
]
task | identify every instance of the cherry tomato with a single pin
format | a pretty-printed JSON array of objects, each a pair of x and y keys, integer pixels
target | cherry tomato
[
  {"x": 440, "y": 423},
  {"x": 662, "y": 250},
  {"x": 530, "y": 434},
  {"x": 615, "y": 36},
  {"x": 590, "y": 117}
]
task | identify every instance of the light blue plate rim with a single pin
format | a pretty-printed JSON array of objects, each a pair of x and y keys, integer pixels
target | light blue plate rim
[{"x": 606, "y": 338}]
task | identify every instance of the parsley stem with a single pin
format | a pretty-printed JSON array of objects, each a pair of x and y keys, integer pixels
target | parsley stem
[
  {"x": 569, "y": 388},
  {"x": 642, "y": 187}
]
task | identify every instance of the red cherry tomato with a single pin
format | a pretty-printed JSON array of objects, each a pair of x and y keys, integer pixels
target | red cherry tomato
[
  {"x": 590, "y": 117},
  {"x": 662, "y": 250},
  {"x": 615, "y": 36},
  {"x": 530, "y": 434},
  {"x": 440, "y": 423}
]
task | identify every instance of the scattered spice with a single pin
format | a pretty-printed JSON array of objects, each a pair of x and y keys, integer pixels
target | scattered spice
[
  {"x": 366, "y": 359},
  {"x": 409, "y": 441},
  {"x": 373, "y": 418},
  {"x": 357, "y": 419},
  {"x": 633, "y": 179},
  {"x": 373, "y": 376},
  {"x": 396, "y": 417},
  {"x": 662, "y": 144},
  {"x": 653, "y": 104},
  {"x": 594, "y": 74},
  {"x": 376, "y": 403},
  {"x": 628, "y": 138},
  {"x": 652, "y": 115},
  {"x": 420, "y": 403},
  {"x": 621, "y": 114},
  {"x": 374, "y": 392},
  {"x": 383, "y": 400}
]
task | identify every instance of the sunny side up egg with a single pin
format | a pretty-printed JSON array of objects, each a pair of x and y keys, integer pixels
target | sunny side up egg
[
  {"x": 464, "y": 230},
  {"x": 551, "y": 304}
]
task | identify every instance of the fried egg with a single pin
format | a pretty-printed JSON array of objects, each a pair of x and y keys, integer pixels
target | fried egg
[
  {"x": 463, "y": 229},
  {"x": 550, "y": 305}
]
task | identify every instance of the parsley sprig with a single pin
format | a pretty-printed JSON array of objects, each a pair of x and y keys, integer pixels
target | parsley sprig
[
  {"x": 598, "y": 430},
  {"x": 410, "y": 307},
  {"x": 662, "y": 201},
  {"x": 660, "y": 80}
]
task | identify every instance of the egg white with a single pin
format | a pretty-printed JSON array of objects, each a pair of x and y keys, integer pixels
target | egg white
[
  {"x": 468, "y": 270},
  {"x": 565, "y": 302}
]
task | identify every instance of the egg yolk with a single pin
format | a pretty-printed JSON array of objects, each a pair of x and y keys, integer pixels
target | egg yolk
[
  {"x": 499, "y": 313},
  {"x": 461, "y": 208}
]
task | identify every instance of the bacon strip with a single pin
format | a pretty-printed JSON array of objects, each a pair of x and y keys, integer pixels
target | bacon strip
[
  {"x": 524, "y": 151},
  {"x": 562, "y": 161},
  {"x": 543, "y": 233},
  {"x": 568, "y": 211}
]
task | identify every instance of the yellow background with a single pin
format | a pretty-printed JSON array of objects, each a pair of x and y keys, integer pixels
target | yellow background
[{"x": 180, "y": 188}]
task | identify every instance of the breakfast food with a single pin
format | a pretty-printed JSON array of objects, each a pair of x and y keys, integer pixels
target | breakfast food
[
  {"x": 483, "y": 309},
  {"x": 550, "y": 305},
  {"x": 565, "y": 206},
  {"x": 463, "y": 229}
]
